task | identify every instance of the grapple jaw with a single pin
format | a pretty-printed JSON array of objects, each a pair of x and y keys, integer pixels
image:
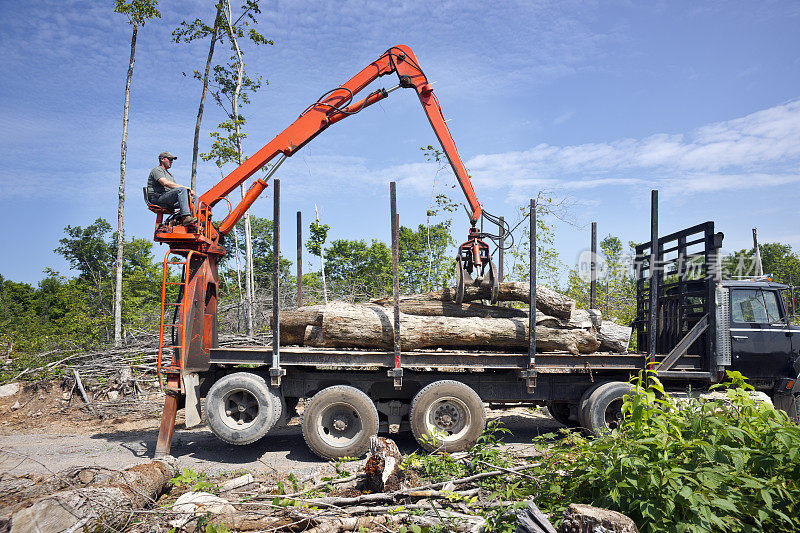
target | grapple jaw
[{"x": 475, "y": 260}]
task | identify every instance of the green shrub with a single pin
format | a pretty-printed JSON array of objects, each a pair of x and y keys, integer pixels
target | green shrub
[{"x": 726, "y": 465}]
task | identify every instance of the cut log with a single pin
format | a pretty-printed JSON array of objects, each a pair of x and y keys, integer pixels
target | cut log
[
  {"x": 547, "y": 300},
  {"x": 580, "y": 319},
  {"x": 579, "y": 518},
  {"x": 311, "y": 334},
  {"x": 370, "y": 326},
  {"x": 302, "y": 316},
  {"x": 614, "y": 337},
  {"x": 96, "y": 507},
  {"x": 294, "y": 322},
  {"x": 419, "y": 305}
]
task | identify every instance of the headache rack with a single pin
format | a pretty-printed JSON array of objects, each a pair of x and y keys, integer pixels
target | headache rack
[{"x": 685, "y": 273}]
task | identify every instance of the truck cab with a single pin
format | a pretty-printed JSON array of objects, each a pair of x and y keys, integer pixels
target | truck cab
[{"x": 765, "y": 346}]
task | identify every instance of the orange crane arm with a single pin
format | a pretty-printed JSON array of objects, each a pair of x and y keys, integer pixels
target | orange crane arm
[{"x": 334, "y": 106}]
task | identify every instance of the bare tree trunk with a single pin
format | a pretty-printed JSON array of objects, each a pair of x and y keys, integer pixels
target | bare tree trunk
[
  {"x": 121, "y": 205},
  {"x": 238, "y": 278},
  {"x": 248, "y": 274},
  {"x": 248, "y": 243},
  {"x": 195, "y": 148},
  {"x": 322, "y": 261}
]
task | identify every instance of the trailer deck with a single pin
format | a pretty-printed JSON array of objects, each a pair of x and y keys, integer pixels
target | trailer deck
[{"x": 437, "y": 360}]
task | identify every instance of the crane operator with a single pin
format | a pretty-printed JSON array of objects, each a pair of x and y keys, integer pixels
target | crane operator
[{"x": 163, "y": 191}]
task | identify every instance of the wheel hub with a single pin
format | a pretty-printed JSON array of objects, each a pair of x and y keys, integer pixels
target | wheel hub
[
  {"x": 241, "y": 408},
  {"x": 340, "y": 424},
  {"x": 446, "y": 416}
]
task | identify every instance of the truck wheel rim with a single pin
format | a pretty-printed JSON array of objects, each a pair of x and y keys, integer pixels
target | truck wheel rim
[
  {"x": 339, "y": 425},
  {"x": 448, "y": 419},
  {"x": 613, "y": 414},
  {"x": 239, "y": 409}
]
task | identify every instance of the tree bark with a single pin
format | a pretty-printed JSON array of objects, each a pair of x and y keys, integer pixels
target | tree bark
[
  {"x": 95, "y": 507},
  {"x": 614, "y": 337},
  {"x": 547, "y": 300},
  {"x": 121, "y": 204},
  {"x": 196, "y": 146},
  {"x": 421, "y": 306},
  {"x": 370, "y": 326}
]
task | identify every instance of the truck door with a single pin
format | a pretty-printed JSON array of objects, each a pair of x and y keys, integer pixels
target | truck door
[{"x": 761, "y": 340}]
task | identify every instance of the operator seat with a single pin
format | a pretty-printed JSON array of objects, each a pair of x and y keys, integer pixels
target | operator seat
[
  {"x": 158, "y": 210},
  {"x": 155, "y": 208}
]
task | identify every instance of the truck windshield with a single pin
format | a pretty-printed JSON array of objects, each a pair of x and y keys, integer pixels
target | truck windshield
[{"x": 754, "y": 306}]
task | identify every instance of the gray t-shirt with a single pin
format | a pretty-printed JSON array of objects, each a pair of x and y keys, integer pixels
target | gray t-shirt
[{"x": 154, "y": 188}]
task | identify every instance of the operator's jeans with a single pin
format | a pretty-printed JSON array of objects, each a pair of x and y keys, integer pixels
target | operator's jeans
[{"x": 177, "y": 197}]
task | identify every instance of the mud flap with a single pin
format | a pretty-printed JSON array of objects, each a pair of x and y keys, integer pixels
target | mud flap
[{"x": 191, "y": 385}]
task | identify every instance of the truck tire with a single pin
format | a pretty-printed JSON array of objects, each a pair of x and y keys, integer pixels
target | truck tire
[
  {"x": 582, "y": 412},
  {"x": 560, "y": 412},
  {"x": 604, "y": 407},
  {"x": 789, "y": 404},
  {"x": 794, "y": 409},
  {"x": 448, "y": 416},
  {"x": 339, "y": 421},
  {"x": 241, "y": 408}
]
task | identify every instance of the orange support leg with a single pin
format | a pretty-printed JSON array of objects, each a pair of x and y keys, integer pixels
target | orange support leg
[{"x": 167, "y": 427}]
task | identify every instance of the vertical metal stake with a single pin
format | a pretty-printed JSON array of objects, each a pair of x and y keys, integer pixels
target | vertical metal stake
[
  {"x": 397, "y": 371},
  {"x": 502, "y": 234},
  {"x": 757, "y": 254},
  {"x": 652, "y": 327},
  {"x": 299, "y": 260},
  {"x": 593, "y": 268},
  {"x": 531, "y": 372},
  {"x": 276, "y": 371}
]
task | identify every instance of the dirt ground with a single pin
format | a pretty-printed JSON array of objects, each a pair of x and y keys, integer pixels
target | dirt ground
[{"x": 42, "y": 433}]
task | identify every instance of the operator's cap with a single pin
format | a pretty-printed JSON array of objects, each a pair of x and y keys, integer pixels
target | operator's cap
[{"x": 167, "y": 155}]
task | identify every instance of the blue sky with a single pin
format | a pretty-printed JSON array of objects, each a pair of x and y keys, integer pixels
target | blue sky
[{"x": 592, "y": 102}]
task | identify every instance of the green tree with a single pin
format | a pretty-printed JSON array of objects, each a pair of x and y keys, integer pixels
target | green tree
[
  {"x": 616, "y": 286},
  {"x": 232, "y": 88},
  {"x": 262, "y": 235},
  {"x": 548, "y": 264},
  {"x": 188, "y": 32},
  {"x": 357, "y": 269},
  {"x": 317, "y": 235},
  {"x": 424, "y": 261}
]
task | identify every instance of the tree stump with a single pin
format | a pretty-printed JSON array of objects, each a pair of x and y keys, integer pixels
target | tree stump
[{"x": 382, "y": 469}]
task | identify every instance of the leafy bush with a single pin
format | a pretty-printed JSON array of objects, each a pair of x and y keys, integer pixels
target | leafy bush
[{"x": 723, "y": 465}]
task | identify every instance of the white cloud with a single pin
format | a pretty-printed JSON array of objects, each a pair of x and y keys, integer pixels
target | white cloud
[{"x": 760, "y": 149}]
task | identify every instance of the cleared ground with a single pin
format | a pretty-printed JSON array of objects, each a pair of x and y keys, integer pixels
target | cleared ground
[{"x": 41, "y": 434}]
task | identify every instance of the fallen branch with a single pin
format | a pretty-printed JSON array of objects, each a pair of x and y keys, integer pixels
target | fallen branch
[{"x": 85, "y": 396}]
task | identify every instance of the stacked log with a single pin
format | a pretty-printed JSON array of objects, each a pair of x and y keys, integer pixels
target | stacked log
[{"x": 434, "y": 320}]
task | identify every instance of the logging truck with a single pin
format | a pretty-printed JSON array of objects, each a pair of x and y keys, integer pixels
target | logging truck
[
  {"x": 705, "y": 325},
  {"x": 691, "y": 326}
]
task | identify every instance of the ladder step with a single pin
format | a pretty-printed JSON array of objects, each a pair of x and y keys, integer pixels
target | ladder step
[{"x": 173, "y": 303}]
